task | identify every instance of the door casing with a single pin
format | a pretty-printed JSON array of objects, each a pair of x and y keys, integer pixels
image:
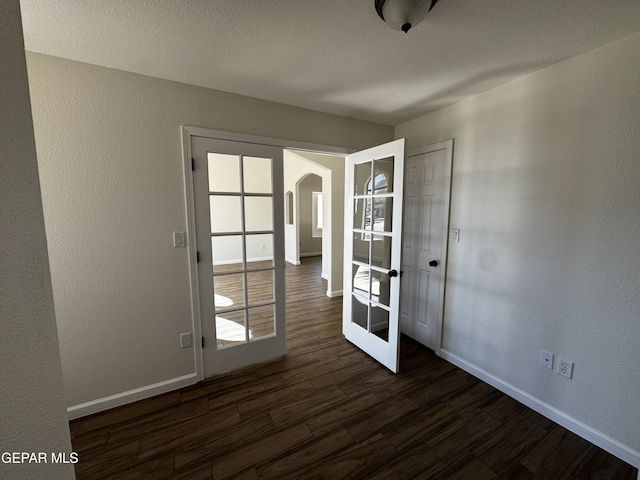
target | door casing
[{"x": 187, "y": 133}]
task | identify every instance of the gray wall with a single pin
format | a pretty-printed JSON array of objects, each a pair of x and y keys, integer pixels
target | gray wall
[
  {"x": 113, "y": 192},
  {"x": 31, "y": 398},
  {"x": 546, "y": 194}
]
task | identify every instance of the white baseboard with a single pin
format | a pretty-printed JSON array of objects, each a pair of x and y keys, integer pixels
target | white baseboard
[
  {"x": 611, "y": 445},
  {"x": 336, "y": 293},
  {"x": 292, "y": 262},
  {"x": 324, "y": 276},
  {"x": 119, "y": 399}
]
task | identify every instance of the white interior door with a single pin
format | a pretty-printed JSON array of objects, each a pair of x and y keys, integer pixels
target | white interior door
[
  {"x": 373, "y": 248},
  {"x": 239, "y": 215},
  {"x": 426, "y": 205}
]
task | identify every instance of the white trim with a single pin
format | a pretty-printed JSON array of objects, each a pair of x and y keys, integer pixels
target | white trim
[
  {"x": 119, "y": 399},
  {"x": 314, "y": 254},
  {"x": 274, "y": 142},
  {"x": 446, "y": 144},
  {"x": 293, "y": 262},
  {"x": 590, "y": 434},
  {"x": 335, "y": 293},
  {"x": 324, "y": 276},
  {"x": 194, "y": 285}
]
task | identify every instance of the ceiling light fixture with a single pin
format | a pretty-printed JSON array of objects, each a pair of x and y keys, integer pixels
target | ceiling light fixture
[{"x": 403, "y": 14}]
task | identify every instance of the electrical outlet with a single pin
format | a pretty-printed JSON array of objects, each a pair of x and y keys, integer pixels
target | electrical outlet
[
  {"x": 546, "y": 359},
  {"x": 185, "y": 340},
  {"x": 565, "y": 368}
]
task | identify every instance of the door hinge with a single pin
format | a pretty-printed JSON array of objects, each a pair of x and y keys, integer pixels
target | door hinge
[
  {"x": 202, "y": 341},
  {"x": 197, "y": 257},
  {"x": 193, "y": 165}
]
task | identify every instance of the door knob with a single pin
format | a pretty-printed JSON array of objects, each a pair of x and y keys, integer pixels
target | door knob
[
  {"x": 393, "y": 273},
  {"x": 433, "y": 263}
]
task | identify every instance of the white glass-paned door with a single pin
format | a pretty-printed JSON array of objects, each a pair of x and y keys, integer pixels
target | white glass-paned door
[
  {"x": 239, "y": 205},
  {"x": 373, "y": 248}
]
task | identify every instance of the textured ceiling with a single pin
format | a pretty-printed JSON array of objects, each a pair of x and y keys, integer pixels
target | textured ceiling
[{"x": 334, "y": 56}]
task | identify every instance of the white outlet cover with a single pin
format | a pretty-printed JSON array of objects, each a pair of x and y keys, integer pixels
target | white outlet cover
[
  {"x": 565, "y": 368},
  {"x": 185, "y": 340}
]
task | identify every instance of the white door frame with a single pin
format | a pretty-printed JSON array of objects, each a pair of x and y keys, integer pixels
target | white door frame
[
  {"x": 446, "y": 144},
  {"x": 187, "y": 133}
]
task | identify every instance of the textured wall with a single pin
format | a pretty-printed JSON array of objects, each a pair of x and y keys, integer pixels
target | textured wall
[
  {"x": 111, "y": 172},
  {"x": 309, "y": 244},
  {"x": 546, "y": 194},
  {"x": 32, "y": 413}
]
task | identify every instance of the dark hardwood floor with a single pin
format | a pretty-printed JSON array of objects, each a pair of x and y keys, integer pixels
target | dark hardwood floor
[{"x": 327, "y": 410}]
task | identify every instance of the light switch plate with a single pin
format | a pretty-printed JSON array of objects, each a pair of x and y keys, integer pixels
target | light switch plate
[
  {"x": 179, "y": 240},
  {"x": 546, "y": 359},
  {"x": 455, "y": 235}
]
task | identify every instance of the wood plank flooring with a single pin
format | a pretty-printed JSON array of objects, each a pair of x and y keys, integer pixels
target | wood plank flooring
[{"x": 326, "y": 410}]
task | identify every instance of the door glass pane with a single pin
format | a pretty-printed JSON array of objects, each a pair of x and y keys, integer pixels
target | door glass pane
[
  {"x": 258, "y": 213},
  {"x": 380, "y": 287},
  {"x": 361, "y": 280},
  {"x": 224, "y": 172},
  {"x": 262, "y": 322},
  {"x": 360, "y": 247},
  {"x": 362, "y": 214},
  {"x": 380, "y": 323},
  {"x": 226, "y": 253},
  {"x": 362, "y": 178},
  {"x": 225, "y": 213},
  {"x": 230, "y": 329},
  {"x": 359, "y": 311},
  {"x": 381, "y": 251},
  {"x": 383, "y": 176},
  {"x": 257, "y": 174},
  {"x": 259, "y": 251},
  {"x": 228, "y": 291},
  {"x": 260, "y": 287},
  {"x": 382, "y": 214}
]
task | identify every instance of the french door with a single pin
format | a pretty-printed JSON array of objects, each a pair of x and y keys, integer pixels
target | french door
[
  {"x": 373, "y": 250},
  {"x": 239, "y": 208}
]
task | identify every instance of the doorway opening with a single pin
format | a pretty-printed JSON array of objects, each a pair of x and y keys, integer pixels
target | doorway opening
[
  {"x": 314, "y": 212},
  {"x": 205, "y": 202}
]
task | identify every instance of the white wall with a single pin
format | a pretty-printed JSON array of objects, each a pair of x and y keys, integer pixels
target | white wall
[
  {"x": 109, "y": 153},
  {"x": 308, "y": 243},
  {"x": 546, "y": 194},
  {"x": 296, "y": 168},
  {"x": 32, "y": 408}
]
